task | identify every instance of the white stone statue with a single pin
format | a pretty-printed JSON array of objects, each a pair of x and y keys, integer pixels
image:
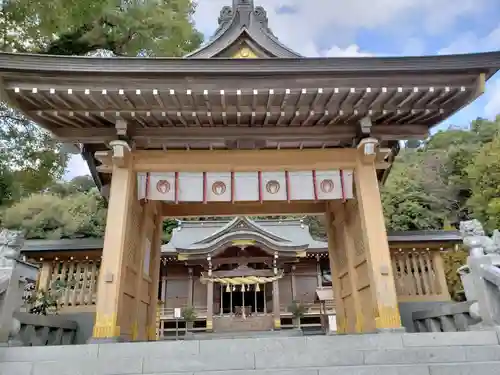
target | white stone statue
[
  {"x": 481, "y": 275},
  {"x": 11, "y": 243},
  {"x": 477, "y": 241}
]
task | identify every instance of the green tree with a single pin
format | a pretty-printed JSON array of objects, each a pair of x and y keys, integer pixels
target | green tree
[
  {"x": 49, "y": 216},
  {"x": 29, "y": 160},
  {"x": 412, "y": 199},
  {"x": 83, "y": 183},
  {"x": 433, "y": 184},
  {"x": 484, "y": 175},
  {"x": 126, "y": 27}
]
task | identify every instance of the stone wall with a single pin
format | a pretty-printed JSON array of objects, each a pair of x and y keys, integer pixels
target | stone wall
[{"x": 40, "y": 330}]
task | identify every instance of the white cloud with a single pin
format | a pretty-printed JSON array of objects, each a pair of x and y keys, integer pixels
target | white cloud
[
  {"x": 337, "y": 21},
  {"x": 76, "y": 167},
  {"x": 352, "y": 50},
  {"x": 492, "y": 107},
  {"x": 470, "y": 42}
]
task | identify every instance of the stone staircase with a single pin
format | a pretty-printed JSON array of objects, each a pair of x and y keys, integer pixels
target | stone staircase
[
  {"x": 240, "y": 324},
  {"x": 463, "y": 353}
]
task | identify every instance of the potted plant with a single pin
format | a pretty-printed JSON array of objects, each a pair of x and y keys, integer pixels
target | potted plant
[
  {"x": 298, "y": 310},
  {"x": 189, "y": 315},
  {"x": 45, "y": 302}
]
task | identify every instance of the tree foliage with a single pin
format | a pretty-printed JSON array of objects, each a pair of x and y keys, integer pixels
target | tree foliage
[
  {"x": 29, "y": 159},
  {"x": 452, "y": 176},
  {"x": 54, "y": 216},
  {"x": 126, "y": 27},
  {"x": 484, "y": 175}
]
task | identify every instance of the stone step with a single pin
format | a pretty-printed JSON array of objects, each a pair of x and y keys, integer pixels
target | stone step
[
  {"x": 246, "y": 334},
  {"x": 387, "y": 354}
]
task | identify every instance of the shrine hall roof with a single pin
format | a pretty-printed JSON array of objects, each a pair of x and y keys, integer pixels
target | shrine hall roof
[
  {"x": 204, "y": 233},
  {"x": 240, "y": 25},
  {"x": 198, "y": 235},
  {"x": 205, "y": 236},
  {"x": 226, "y": 103},
  {"x": 209, "y": 100}
]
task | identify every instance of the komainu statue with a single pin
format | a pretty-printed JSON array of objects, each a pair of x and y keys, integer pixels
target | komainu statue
[
  {"x": 11, "y": 280},
  {"x": 11, "y": 243},
  {"x": 481, "y": 275},
  {"x": 476, "y": 240}
]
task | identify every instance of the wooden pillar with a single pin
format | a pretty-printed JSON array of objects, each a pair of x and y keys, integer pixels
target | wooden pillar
[
  {"x": 294, "y": 284},
  {"x": 112, "y": 319},
  {"x": 142, "y": 271},
  {"x": 163, "y": 291},
  {"x": 335, "y": 266},
  {"x": 318, "y": 272},
  {"x": 154, "y": 276},
  {"x": 347, "y": 229},
  {"x": 190, "y": 287},
  {"x": 276, "y": 305},
  {"x": 374, "y": 236},
  {"x": 265, "y": 298},
  {"x": 45, "y": 276},
  {"x": 210, "y": 305},
  {"x": 442, "y": 285},
  {"x": 221, "y": 309}
]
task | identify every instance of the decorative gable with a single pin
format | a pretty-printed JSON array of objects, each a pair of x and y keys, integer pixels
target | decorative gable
[
  {"x": 243, "y": 22},
  {"x": 240, "y": 224},
  {"x": 245, "y": 53}
]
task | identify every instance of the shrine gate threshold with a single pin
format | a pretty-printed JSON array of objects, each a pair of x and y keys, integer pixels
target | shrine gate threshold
[{"x": 242, "y": 126}]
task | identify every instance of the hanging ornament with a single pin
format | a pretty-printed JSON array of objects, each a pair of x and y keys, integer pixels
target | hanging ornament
[
  {"x": 257, "y": 287},
  {"x": 228, "y": 288},
  {"x": 243, "y": 287},
  {"x": 234, "y": 288}
]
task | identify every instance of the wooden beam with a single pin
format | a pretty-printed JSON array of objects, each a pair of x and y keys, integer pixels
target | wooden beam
[
  {"x": 88, "y": 135},
  {"x": 242, "y": 209},
  {"x": 155, "y": 137},
  {"x": 243, "y": 160},
  {"x": 239, "y": 160},
  {"x": 231, "y": 132},
  {"x": 399, "y": 132}
]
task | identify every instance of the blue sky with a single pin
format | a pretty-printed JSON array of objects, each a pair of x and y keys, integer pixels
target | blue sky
[{"x": 377, "y": 28}]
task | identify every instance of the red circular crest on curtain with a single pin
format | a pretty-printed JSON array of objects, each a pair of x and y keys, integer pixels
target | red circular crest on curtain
[
  {"x": 218, "y": 188},
  {"x": 272, "y": 187},
  {"x": 163, "y": 186},
  {"x": 327, "y": 186}
]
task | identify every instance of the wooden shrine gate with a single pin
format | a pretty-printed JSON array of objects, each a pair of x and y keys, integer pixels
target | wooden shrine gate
[{"x": 150, "y": 185}]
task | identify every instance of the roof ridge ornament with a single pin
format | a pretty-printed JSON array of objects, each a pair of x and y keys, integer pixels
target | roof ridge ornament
[
  {"x": 260, "y": 15},
  {"x": 245, "y": 9},
  {"x": 243, "y": 20},
  {"x": 242, "y": 3}
]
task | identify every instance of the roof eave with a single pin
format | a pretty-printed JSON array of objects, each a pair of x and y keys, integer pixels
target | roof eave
[{"x": 488, "y": 63}]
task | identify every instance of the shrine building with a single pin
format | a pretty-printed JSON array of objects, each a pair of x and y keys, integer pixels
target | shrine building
[
  {"x": 244, "y": 126},
  {"x": 242, "y": 254}
]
